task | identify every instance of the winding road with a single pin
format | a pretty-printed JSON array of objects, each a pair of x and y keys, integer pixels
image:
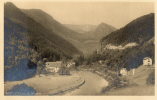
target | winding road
[{"x": 92, "y": 86}]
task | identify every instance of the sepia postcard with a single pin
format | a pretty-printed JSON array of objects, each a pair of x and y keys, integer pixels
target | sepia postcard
[{"x": 78, "y": 48}]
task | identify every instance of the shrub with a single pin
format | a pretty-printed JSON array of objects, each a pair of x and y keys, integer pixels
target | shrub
[
  {"x": 64, "y": 71},
  {"x": 31, "y": 65},
  {"x": 151, "y": 78}
]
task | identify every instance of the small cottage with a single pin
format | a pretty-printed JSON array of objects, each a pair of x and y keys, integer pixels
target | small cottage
[
  {"x": 53, "y": 66},
  {"x": 70, "y": 64},
  {"x": 100, "y": 61},
  {"x": 123, "y": 71},
  {"x": 147, "y": 61}
]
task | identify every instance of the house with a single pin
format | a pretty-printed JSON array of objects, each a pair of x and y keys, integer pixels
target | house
[
  {"x": 147, "y": 61},
  {"x": 70, "y": 64},
  {"x": 101, "y": 61},
  {"x": 123, "y": 72},
  {"x": 97, "y": 51},
  {"x": 53, "y": 66},
  {"x": 133, "y": 71}
]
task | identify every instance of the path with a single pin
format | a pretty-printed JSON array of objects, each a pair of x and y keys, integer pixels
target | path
[{"x": 92, "y": 86}]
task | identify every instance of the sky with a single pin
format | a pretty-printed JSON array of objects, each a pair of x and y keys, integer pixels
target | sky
[{"x": 117, "y": 14}]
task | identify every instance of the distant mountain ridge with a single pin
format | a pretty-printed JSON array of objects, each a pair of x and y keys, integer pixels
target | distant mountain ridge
[
  {"x": 86, "y": 42},
  {"x": 57, "y": 28},
  {"x": 93, "y": 31},
  {"x": 51, "y": 24},
  {"x": 103, "y": 30},
  {"x": 81, "y": 28}
]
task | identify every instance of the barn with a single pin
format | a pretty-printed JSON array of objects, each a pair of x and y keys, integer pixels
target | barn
[{"x": 147, "y": 61}]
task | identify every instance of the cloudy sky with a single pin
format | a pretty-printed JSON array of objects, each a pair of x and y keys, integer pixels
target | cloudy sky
[{"x": 117, "y": 14}]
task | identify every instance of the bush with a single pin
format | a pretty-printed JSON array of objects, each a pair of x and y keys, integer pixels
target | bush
[
  {"x": 64, "y": 71},
  {"x": 79, "y": 60},
  {"x": 151, "y": 78},
  {"x": 31, "y": 65}
]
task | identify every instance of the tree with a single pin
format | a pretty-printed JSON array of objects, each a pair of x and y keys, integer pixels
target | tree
[
  {"x": 54, "y": 58},
  {"x": 40, "y": 66}
]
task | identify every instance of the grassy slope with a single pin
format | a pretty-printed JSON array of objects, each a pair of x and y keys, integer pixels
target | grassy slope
[{"x": 137, "y": 85}]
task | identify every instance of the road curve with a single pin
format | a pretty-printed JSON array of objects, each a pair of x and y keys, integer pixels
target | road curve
[{"x": 92, "y": 86}]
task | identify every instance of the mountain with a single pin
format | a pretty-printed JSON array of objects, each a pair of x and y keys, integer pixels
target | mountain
[
  {"x": 85, "y": 42},
  {"x": 27, "y": 41},
  {"x": 36, "y": 31},
  {"x": 92, "y": 31},
  {"x": 92, "y": 35},
  {"x": 139, "y": 31},
  {"x": 51, "y": 24},
  {"x": 103, "y": 30},
  {"x": 81, "y": 28},
  {"x": 75, "y": 38}
]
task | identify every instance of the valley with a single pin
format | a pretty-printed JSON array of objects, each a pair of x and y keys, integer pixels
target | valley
[{"x": 47, "y": 57}]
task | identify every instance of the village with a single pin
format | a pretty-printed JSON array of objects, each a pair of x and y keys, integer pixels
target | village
[
  {"x": 61, "y": 78},
  {"x": 63, "y": 68}
]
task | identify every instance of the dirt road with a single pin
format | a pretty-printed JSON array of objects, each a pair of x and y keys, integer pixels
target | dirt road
[
  {"x": 79, "y": 83},
  {"x": 92, "y": 86}
]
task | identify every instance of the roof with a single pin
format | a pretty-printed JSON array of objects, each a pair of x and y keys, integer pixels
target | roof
[
  {"x": 124, "y": 69},
  {"x": 146, "y": 58},
  {"x": 54, "y": 64}
]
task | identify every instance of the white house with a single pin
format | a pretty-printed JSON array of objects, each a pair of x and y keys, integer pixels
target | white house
[
  {"x": 147, "y": 61},
  {"x": 70, "y": 64},
  {"x": 100, "y": 61},
  {"x": 53, "y": 66},
  {"x": 123, "y": 72}
]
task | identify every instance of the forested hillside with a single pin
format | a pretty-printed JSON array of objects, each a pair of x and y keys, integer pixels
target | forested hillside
[{"x": 27, "y": 42}]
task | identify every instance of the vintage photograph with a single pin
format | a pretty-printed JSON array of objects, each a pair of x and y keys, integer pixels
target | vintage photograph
[{"x": 79, "y": 48}]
